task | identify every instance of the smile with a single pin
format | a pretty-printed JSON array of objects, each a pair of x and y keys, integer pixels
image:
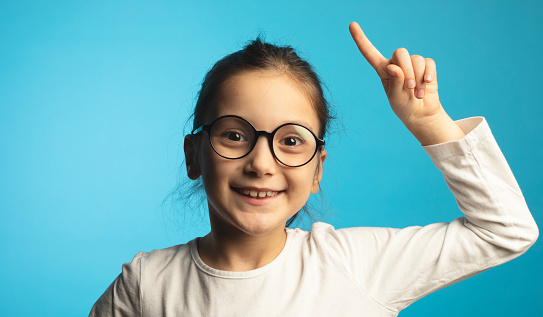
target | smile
[{"x": 256, "y": 193}]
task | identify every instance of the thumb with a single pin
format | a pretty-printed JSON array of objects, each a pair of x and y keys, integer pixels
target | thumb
[{"x": 395, "y": 84}]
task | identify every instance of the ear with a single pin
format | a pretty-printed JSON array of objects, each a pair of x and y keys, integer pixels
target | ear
[
  {"x": 318, "y": 172},
  {"x": 191, "y": 159}
]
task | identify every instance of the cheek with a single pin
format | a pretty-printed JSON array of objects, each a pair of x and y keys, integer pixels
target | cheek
[
  {"x": 217, "y": 171},
  {"x": 211, "y": 168},
  {"x": 301, "y": 183},
  {"x": 301, "y": 179}
]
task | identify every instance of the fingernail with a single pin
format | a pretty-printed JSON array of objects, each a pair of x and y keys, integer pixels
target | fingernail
[
  {"x": 429, "y": 77},
  {"x": 393, "y": 74},
  {"x": 420, "y": 93},
  {"x": 411, "y": 83}
]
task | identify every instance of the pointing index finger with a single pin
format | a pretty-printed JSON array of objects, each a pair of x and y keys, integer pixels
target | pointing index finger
[{"x": 371, "y": 54}]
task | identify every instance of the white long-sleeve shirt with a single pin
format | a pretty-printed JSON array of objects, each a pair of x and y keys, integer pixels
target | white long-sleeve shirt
[{"x": 347, "y": 272}]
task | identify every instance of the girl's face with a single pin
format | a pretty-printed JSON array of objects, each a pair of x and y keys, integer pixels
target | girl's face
[{"x": 267, "y": 100}]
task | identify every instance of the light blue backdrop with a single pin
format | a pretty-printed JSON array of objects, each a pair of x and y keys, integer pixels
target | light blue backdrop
[{"x": 94, "y": 96}]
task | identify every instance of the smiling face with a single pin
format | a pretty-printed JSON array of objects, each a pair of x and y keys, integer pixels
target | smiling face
[{"x": 256, "y": 194}]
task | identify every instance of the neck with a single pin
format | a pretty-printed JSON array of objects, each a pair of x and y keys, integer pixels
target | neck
[{"x": 229, "y": 249}]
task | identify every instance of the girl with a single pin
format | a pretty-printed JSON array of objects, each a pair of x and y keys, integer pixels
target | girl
[{"x": 258, "y": 147}]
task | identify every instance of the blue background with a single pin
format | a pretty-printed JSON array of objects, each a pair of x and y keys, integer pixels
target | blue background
[{"x": 94, "y": 96}]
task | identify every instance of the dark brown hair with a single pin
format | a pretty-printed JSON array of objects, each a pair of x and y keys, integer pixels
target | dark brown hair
[{"x": 260, "y": 56}]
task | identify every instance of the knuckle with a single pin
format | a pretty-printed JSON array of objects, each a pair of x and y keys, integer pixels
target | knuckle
[{"x": 418, "y": 58}]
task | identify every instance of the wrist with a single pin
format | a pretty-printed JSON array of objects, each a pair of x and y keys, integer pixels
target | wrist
[{"x": 439, "y": 128}]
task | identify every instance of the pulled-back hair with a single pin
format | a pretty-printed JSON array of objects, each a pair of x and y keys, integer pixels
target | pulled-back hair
[{"x": 258, "y": 55}]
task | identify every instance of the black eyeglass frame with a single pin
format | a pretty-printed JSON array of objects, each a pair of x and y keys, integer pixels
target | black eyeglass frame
[{"x": 269, "y": 135}]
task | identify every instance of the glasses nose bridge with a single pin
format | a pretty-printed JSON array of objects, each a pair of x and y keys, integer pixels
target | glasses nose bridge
[
  {"x": 264, "y": 133},
  {"x": 268, "y": 135}
]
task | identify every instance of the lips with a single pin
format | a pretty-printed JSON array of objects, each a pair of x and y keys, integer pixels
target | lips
[{"x": 255, "y": 193}]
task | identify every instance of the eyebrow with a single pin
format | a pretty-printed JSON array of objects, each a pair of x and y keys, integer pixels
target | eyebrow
[{"x": 304, "y": 123}]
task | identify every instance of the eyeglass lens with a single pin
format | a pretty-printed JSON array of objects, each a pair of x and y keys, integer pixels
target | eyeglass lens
[{"x": 233, "y": 138}]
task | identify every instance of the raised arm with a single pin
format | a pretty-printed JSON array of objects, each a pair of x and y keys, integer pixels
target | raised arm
[
  {"x": 410, "y": 83},
  {"x": 399, "y": 266}
]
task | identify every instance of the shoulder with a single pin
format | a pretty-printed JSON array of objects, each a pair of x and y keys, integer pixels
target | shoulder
[
  {"x": 164, "y": 254},
  {"x": 145, "y": 263},
  {"x": 324, "y": 233},
  {"x": 159, "y": 267},
  {"x": 328, "y": 241},
  {"x": 327, "y": 233},
  {"x": 354, "y": 241},
  {"x": 124, "y": 295},
  {"x": 318, "y": 233},
  {"x": 161, "y": 259}
]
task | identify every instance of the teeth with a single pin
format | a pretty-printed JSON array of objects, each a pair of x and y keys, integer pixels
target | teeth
[{"x": 255, "y": 193}]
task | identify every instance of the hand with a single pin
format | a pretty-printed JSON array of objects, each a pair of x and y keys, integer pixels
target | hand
[{"x": 410, "y": 83}]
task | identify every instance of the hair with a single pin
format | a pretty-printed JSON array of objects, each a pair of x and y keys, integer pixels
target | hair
[
  {"x": 261, "y": 56},
  {"x": 258, "y": 55}
]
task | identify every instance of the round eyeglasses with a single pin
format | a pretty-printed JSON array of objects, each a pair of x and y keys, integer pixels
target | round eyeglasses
[{"x": 233, "y": 137}]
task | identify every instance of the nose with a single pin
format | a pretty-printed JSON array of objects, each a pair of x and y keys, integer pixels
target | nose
[{"x": 261, "y": 161}]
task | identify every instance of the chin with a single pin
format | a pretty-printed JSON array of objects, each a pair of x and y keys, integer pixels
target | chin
[{"x": 258, "y": 227}]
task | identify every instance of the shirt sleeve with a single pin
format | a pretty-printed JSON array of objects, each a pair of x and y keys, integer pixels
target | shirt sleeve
[
  {"x": 122, "y": 297},
  {"x": 399, "y": 266}
]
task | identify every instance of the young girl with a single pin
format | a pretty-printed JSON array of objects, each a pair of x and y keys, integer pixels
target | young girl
[{"x": 258, "y": 147}]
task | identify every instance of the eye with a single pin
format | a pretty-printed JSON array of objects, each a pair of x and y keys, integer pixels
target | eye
[
  {"x": 292, "y": 141},
  {"x": 234, "y": 136}
]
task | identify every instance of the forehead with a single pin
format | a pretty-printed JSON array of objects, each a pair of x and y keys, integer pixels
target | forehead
[{"x": 266, "y": 99}]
